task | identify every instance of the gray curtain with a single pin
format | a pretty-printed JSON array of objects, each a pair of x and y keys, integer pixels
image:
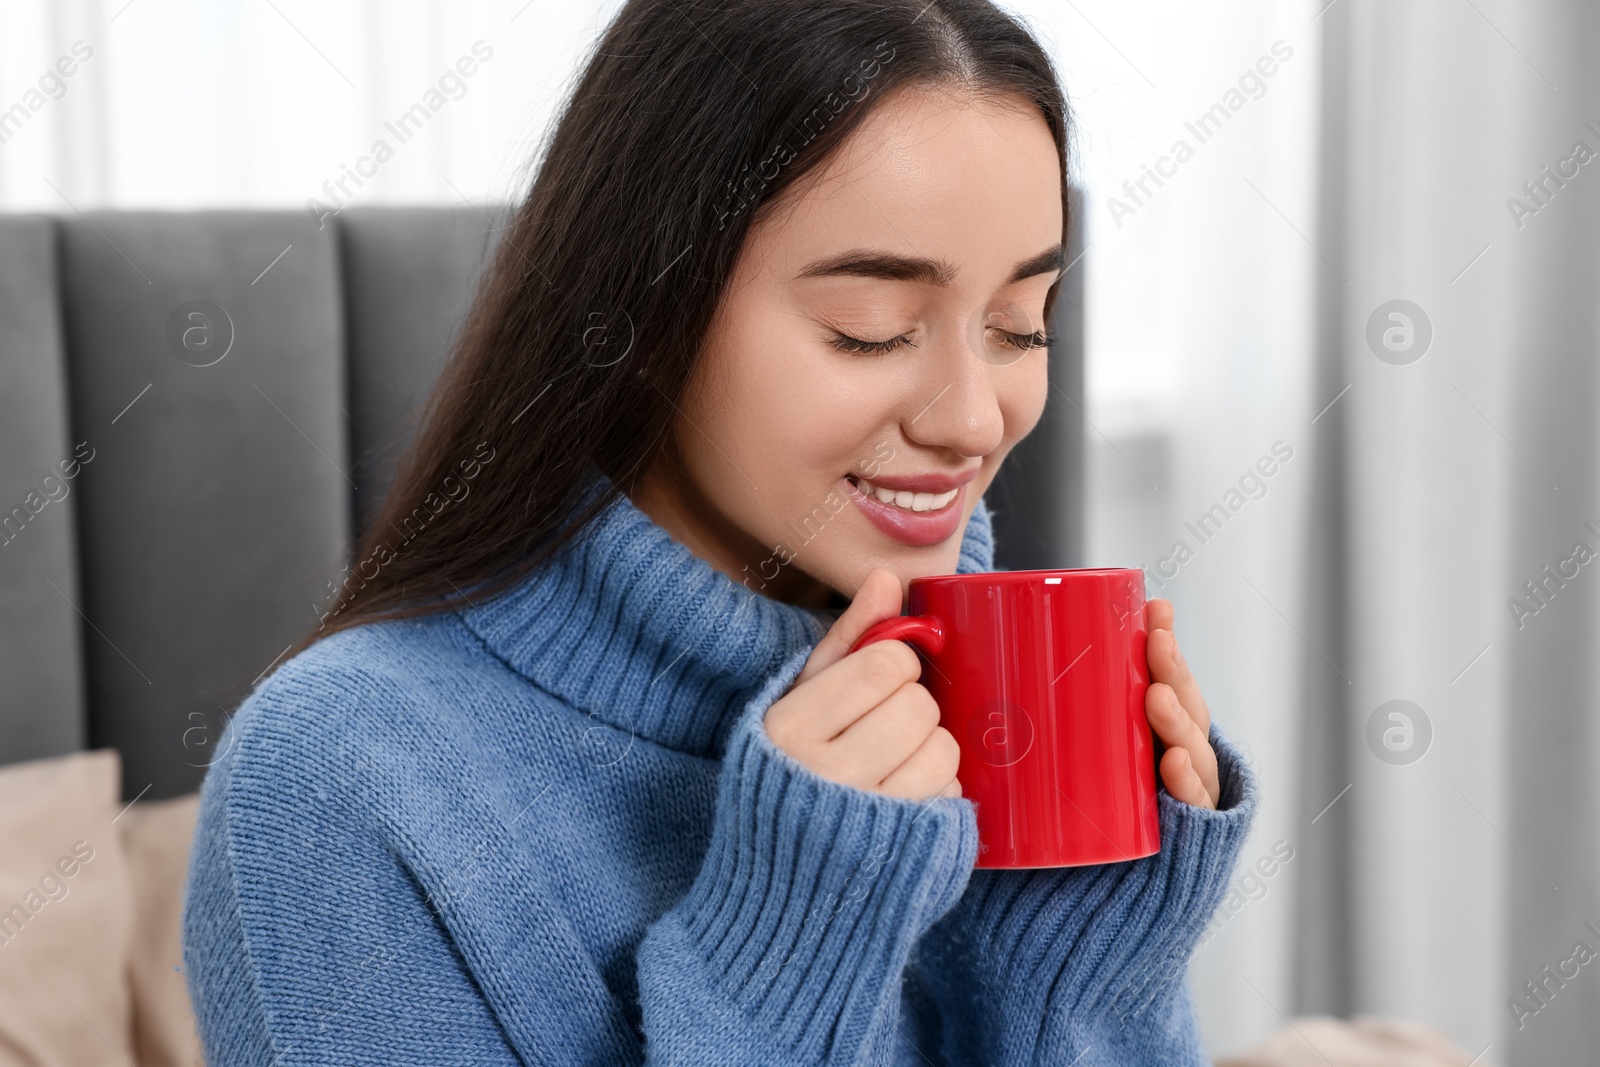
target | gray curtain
[{"x": 1458, "y": 859}]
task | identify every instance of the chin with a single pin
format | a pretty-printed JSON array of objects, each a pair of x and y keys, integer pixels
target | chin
[{"x": 905, "y": 562}]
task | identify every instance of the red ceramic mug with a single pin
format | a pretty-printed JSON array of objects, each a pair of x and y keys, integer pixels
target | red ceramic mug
[{"x": 1041, "y": 677}]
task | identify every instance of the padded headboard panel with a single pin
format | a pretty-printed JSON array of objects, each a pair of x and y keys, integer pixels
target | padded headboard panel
[{"x": 41, "y": 658}]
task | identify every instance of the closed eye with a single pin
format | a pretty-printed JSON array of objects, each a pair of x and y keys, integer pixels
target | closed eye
[
  {"x": 1026, "y": 341},
  {"x": 1023, "y": 341},
  {"x": 845, "y": 343}
]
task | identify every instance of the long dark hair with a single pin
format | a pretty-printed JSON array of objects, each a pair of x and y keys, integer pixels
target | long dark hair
[{"x": 689, "y": 119}]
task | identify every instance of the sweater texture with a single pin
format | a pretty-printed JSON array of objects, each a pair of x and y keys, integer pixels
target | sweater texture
[{"x": 550, "y": 828}]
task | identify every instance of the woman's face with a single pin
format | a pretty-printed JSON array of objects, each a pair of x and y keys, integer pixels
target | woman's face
[{"x": 881, "y": 336}]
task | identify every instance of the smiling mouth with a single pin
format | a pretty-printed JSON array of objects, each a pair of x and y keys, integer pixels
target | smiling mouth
[{"x": 904, "y": 499}]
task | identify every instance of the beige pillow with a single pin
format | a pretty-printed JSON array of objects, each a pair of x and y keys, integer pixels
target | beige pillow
[
  {"x": 66, "y": 920},
  {"x": 155, "y": 838},
  {"x": 1320, "y": 1041}
]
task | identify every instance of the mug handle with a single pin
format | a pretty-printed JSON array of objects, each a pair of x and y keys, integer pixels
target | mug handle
[{"x": 923, "y": 631}]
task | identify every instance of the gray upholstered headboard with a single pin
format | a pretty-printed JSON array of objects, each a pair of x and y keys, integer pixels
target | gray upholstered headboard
[
  {"x": 208, "y": 504},
  {"x": 196, "y": 410}
]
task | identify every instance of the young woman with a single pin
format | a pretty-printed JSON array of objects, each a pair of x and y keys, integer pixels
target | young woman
[{"x": 581, "y": 772}]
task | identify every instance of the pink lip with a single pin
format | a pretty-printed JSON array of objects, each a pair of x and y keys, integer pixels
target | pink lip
[{"x": 916, "y": 528}]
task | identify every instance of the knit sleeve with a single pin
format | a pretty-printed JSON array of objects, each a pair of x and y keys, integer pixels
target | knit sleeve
[
  {"x": 789, "y": 947},
  {"x": 1047, "y": 966}
]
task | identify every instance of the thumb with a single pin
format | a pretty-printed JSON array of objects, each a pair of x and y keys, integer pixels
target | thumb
[{"x": 877, "y": 599}]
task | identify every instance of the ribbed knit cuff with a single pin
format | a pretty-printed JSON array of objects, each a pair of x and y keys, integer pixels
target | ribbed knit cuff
[
  {"x": 798, "y": 927},
  {"x": 1180, "y": 894},
  {"x": 1053, "y": 961}
]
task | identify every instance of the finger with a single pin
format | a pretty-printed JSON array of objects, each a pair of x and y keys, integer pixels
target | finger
[
  {"x": 1179, "y": 776},
  {"x": 1168, "y": 665},
  {"x": 878, "y": 598},
  {"x": 1177, "y": 729},
  {"x": 844, "y": 692},
  {"x": 1158, "y": 614},
  {"x": 878, "y": 742},
  {"x": 1169, "y": 719},
  {"x": 929, "y": 772}
]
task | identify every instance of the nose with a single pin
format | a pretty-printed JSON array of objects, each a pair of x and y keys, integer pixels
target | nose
[{"x": 956, "y": 404}]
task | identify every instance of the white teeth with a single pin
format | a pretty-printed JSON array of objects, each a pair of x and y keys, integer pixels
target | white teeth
[{"x": 905, "y": 498}]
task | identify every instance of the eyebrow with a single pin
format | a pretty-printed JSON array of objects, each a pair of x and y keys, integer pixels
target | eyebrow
[{"x": 869, "y": 263}]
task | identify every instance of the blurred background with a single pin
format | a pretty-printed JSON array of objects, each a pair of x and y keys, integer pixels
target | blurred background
[{"x": 1338, "y": 397}]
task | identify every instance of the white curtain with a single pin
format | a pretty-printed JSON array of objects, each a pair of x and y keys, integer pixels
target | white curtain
[
  {"x": 1354, "y": 522},
  {"x": 199, "y": 103}
]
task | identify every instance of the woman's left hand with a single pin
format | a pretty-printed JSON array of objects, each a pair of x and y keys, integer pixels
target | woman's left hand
[{"x": 1178, "y": 715}]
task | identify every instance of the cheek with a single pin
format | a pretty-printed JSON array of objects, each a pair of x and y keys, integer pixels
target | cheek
[
  {"x": 779, "y": 404},
  {"x": 1021, "y": 391}
]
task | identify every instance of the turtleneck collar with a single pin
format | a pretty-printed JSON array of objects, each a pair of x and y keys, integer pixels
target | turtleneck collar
[{"x": 629, "y": 626}]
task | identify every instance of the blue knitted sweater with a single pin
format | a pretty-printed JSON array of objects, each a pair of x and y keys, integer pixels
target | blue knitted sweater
[{"x": 550, "y": 829}]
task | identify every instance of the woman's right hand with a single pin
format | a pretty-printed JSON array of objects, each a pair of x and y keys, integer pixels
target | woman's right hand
[{"x": 863, "y": 718}]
